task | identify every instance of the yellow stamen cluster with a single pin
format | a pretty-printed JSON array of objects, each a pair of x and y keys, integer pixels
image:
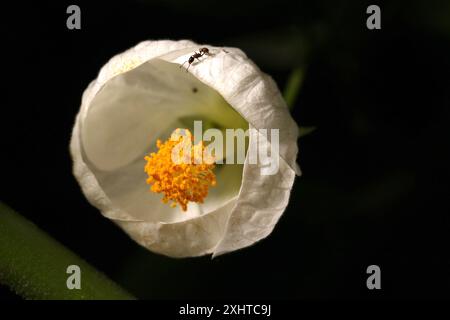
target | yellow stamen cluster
[{"x": 184, "y": 180}]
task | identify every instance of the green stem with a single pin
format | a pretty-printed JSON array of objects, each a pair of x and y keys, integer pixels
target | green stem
[
  {"x": 293, "y": 87},
  {"x": 34, "y": 265}
]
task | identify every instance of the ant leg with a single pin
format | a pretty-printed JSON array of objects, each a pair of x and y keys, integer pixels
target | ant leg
[
  {"x": 188, "y": 67},
  {"x": 181, "y": 65}
]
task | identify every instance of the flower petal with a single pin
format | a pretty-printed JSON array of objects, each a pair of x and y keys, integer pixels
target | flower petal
[
  {"x": 261, "y": 202},
  {"x": 262, "y": 198},
  {"x": 191, "y": 238}
]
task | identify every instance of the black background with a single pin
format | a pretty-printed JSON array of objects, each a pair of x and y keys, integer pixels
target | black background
[{"x": 375, "y": 178}]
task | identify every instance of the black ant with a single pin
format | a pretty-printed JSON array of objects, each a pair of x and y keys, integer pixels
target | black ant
[{"x": 196, "y": 55}]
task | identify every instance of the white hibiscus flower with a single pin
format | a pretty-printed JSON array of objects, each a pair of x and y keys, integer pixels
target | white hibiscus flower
[{"x": 141, "y": 96}]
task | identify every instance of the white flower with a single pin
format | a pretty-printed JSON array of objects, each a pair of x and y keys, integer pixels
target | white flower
[{"x": 142, "y": 95}]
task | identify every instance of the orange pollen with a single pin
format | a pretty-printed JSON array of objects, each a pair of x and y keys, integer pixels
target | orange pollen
[{"x": 186, "y": 179}]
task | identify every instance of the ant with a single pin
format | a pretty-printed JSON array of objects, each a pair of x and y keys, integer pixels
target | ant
[{"x": 196, "y": 55}]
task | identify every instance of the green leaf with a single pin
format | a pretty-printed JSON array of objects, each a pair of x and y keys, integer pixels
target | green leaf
[
  {"x": 304, "y": 131},
  {"x": 34, "y": 265},
  {"x": 293, "y": 87}
]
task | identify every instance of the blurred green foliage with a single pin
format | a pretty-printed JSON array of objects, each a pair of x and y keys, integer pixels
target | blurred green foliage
[{"x": 34, "y": 265}]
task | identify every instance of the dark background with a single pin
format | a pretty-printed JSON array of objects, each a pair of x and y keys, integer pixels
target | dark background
[{"x": 375, "y": 185}]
